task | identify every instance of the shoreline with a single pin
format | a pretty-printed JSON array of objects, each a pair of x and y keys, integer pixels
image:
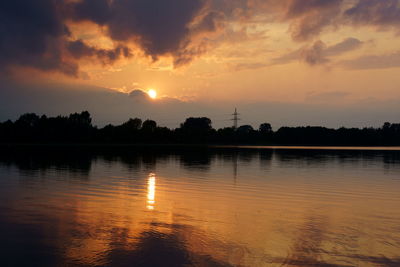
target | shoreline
[{"x": 202, "y": 146}]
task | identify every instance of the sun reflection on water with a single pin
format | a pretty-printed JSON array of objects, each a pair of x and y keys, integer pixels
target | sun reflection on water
[
  {"x": 151, "y": 191},
  {"x": 348, "y": 215}
]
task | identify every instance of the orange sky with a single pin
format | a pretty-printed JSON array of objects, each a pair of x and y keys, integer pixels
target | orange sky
[
  {"x": 244, "y": 66},
  {"x": 340, "y": 53}
]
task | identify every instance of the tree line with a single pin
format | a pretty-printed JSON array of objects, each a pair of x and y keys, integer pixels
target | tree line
[{"x": 78, "y": 128}]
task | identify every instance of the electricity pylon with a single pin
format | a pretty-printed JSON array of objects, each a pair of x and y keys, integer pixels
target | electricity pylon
[{"x": 235, "y": 119}]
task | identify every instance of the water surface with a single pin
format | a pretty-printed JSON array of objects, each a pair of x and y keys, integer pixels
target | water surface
[{"x": 200, "y": 207}]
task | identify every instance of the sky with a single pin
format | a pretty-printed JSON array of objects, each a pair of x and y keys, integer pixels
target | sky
[{"x": 290, "y": 62}]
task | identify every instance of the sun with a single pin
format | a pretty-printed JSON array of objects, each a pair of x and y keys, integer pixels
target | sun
[{"x": 152, "y": 93}]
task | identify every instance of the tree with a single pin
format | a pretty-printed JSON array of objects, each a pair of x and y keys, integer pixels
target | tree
[
  {"x": 386, "y": 126},
  {"x": 199, "y": 125},
  {"x": 194, "y": 130},
  {"x": 265, "y": 128},
  {"x": 132, "y": 124},
  {"x": 80, "y": 120},
  {"x": 245, "y": 129},
  {"x": 149, "y": 126},
  {"x": 28, "y": 120}
]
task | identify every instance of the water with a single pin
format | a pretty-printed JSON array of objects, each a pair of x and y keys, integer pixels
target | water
[{"x": 200, "y": 207}]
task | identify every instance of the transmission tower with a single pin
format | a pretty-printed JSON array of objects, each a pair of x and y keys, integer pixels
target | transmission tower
[{"x": 235, "y": 119}]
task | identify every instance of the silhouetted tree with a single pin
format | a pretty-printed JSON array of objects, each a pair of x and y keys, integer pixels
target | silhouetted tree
[
  {"x": 28, "y": 120},
  {"x": 149, "y": 126},
  {"x": 265, "y": 128},
  {"x": 386, "y": 126},
  {"x": 197, "y": 124},
  {"x": 81, "y": 120},
  {"x": 195, "y": 130},
  {"x": 78, "y": 128},
  {"x": 226, "y": 135},
  {"x": 132, "y": 124},
  {"x": 245, "y": 129}
]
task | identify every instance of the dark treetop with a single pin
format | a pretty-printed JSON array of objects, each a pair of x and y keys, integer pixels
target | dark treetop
[{"x": 78, "y": 128}]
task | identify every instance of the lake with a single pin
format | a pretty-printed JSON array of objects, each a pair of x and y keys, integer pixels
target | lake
[{"x": 194, "y": 206}]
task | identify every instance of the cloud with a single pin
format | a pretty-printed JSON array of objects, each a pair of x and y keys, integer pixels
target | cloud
[
  {"x": 314, "y": 54},
  {"x": 78, "y": 49},
  {"x": 37, "y": 33},
  {"x": 139, "y": 95},
  {"x": 31, "y": 35},
  {"x": 327, "y": 97},
  {"x": 309, "y": 18},
  {"x": 319, "y": 52},
  {"x": 97, "y": 11},
  {"x": 248, "y": 66},
  {"x": 108, "y": 106},
  {"x": 346, "y": 45},
  {"x": 142, "y": 97},
  {"x": 160, "y": 27},
  {"x": 391, "y": 60},
  {"x": 375, "y": 12}
]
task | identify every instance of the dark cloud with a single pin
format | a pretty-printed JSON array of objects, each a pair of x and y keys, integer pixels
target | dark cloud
[
  {"x": 160, "y": 27},
  {"x": 375, "y": 12},
  {"x": 139, "y": 95},
  {"x": 97, "y": 11},
  {"x": 210, "y": 22},
  {"x": 319, "y": 52},
  {"x": 78, "y": 49},
  {"x": 314, "y": 54},
  {"x": 186, "y": 55},
  {"x": 346, "y": 45},
  {"x": 298, "y": 8},
  {"x": 309, "y": 18},
  {"x": 30, "y": 35},
  {"x": 34, "y": 33}
]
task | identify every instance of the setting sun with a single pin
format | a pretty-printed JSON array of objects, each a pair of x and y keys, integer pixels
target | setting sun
[
  {"x": 152, "y": 93},
  {"x": 205, "y": 132}
]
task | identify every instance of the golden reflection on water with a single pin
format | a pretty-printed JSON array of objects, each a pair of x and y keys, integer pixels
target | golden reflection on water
[
  {"x": 151, "y": 191},
  {"x": 286, "y": 215},
  {"x": 224, "y": 229}
]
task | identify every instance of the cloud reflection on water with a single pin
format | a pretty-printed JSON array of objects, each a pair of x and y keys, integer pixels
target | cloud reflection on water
[{"x": 215, "y": 208}]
